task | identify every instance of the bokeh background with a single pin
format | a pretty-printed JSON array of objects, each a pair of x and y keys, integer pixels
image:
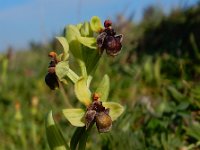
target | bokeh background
[{"x": 156, "y": 76}]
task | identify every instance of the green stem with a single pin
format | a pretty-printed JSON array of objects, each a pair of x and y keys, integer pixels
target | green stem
[
  {"x": 84, "y": 137},
  {"x": 80, "y": 137},
  {"x": 76, "y": 137}
]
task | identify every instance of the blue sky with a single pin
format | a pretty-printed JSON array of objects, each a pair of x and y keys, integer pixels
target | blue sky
[{"x": 22, "y": 21}]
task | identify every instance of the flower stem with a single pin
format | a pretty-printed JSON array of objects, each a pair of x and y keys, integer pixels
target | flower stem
[{"x": 84, "y": 137}]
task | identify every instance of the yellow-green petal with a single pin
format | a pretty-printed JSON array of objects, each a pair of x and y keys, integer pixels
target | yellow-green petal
[
  {"x": 115, "y": 109},
  {"x": 75, "y": 116}
]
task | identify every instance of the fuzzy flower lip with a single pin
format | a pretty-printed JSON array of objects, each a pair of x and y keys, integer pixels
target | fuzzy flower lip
[
  {"x": 108, "y": 40},
  {"x": 97, "y": 110},
  {"x": 97, "y": 113}
]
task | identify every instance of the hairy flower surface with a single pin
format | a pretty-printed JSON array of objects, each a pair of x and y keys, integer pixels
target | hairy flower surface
[
  {"x": 97, "y": 111},
  {"x": 108, "y": 40}
]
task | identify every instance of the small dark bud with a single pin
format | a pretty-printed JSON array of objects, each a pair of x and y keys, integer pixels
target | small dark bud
[
  {"x": 52, "y": 81},
  {"x": 103, "y": 122},
  {"x": 107, "y": 23}
]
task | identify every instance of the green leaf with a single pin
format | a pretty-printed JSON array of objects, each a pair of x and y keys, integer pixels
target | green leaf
[
  {"x": 115, "y": 109},
  {"x": 82, "y": 91},
  {"x": 63, "y": 71},
  {"x": 176, "y": 94},
  {"x": 75, "y": 116},
  {"x": 65, "y": 47},
  {"x": 193, "y": 131},
  {"x": 72, "y": 34},
  {"x": 104, "y": 88},
  {"x": 95, "y": 24},
  {"x": 54, "y": 136},
  {"x": 88, "y": 41},
  {"x": 157, "y": 69},
  {"x": 148, "y": 70}
]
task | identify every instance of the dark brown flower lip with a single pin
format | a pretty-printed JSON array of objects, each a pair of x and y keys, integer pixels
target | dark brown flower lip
[
  {"x": 103, "y": 122},
  {"x": 109, "y": 41},
  {"x": 97, "y": 113}
]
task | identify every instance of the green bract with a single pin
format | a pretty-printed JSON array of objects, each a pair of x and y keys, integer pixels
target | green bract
[{"x": 104, "y": 88}]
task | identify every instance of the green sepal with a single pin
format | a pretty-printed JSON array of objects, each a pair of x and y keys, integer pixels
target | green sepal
[
  {"x": 115, "y": 109},
  {"x": 104, "y": 88},
  {"x": 55, "y": 138},
  {"x": 79, "y": 25},
  {"x": 82, "y": 91},
  {"x": 86, "y": 30},
  {"x": 75, "y": 116},
  {"x": 95, "y": 24},
  {"x": 63, "y": 71},
  {"x": 88, "y": 41},
  {"x": 65, "y": 47}
]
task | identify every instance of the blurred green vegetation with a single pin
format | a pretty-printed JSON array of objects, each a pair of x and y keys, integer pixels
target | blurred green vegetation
[{"x": 156, "y": 77}]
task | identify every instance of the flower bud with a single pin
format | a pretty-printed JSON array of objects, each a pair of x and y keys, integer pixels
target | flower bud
[{"x": 103, "y": 122}]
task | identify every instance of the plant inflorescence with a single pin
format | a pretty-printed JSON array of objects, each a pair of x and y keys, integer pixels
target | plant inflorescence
[{"x": 86, "y": 43}]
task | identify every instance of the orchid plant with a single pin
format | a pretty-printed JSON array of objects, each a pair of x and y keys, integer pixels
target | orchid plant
[{"x": 86, "y": 43}]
